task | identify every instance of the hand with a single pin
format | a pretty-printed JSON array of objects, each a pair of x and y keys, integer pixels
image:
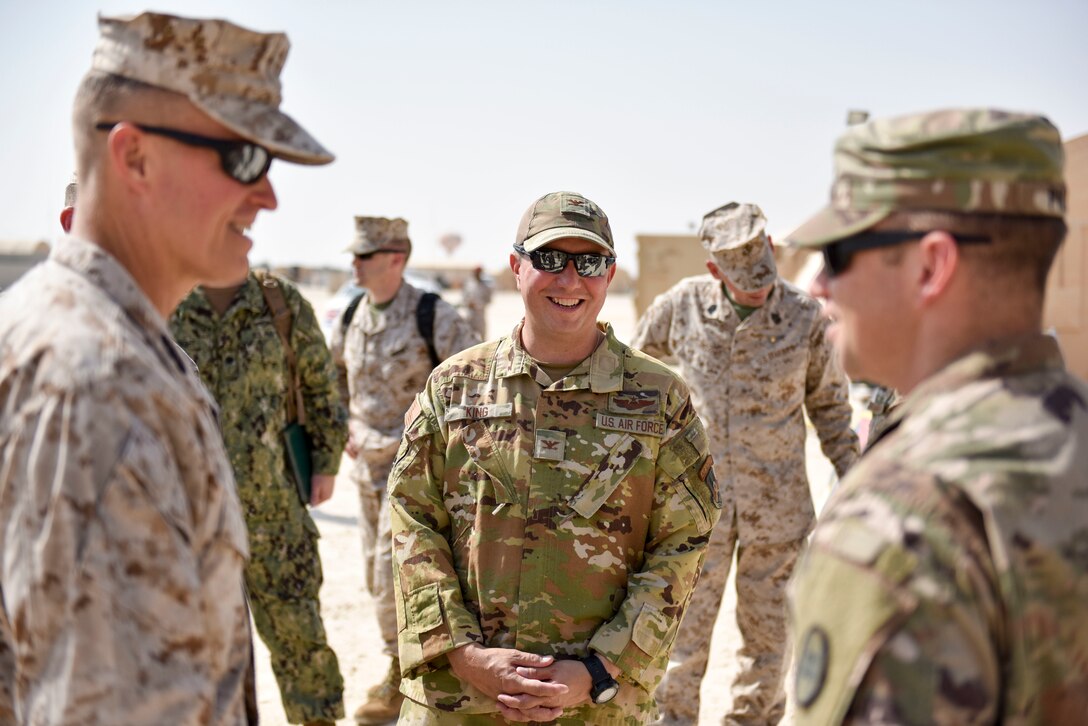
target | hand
[
  {"x": 571, "y": 673},
  {"x": 321, "y": 486},
  {"x": 494, "y": 671},
  {"x": 351, "y": 448}
]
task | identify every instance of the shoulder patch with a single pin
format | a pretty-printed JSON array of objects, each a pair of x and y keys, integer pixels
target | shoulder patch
[
  {"x": 412, "y": 413},
  {"x": 812, "y": 666}
]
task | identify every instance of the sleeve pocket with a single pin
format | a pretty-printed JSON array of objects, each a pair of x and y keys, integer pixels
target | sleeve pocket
[
  {"x": 651, "y": 628},
  {"x": 423, "y": 609}
]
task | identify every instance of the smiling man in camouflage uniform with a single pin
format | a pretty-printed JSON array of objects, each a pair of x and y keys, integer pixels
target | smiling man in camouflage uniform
[
  {"x": 946, "y": 581},
  {"x": 753, "y": 349},
  {"x": 385, "y": 361},
  {"x": 551, "y": 502},
  {"x": 122, "y": 542},
  {"x": 229, "y": 332}
]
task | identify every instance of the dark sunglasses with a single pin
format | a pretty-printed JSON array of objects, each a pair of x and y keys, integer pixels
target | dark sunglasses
[
  {"x": 586, "y": 264},
  {"x": 839, "y": 255},
  {"x": 367, "y": 255},
  {"x": 243, "y": 161}
]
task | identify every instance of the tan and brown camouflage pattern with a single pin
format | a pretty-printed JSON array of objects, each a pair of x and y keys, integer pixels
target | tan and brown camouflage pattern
[
  {"x": 752, "y": 382},
  {"x": 564, "y": 214},
  {"x": 735, "y": 235},
  {"x": 121, "y": 539},
  {"x": 243, "y": 363},
  {"x": 228, "y": 72},
  {"x": 947, "y": 577},
  {"x": 373, "y": 234},
  {"x": 386, "y": 364},
  {"x": 475, "y": 297},
  {"x": 958, "y": 160},
  {"x": 550, "y": 517}
]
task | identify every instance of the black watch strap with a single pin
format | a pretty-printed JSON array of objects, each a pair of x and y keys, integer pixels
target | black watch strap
[
  {"x": 604, "y": 687},
  {"x": 596, "y": 668}
]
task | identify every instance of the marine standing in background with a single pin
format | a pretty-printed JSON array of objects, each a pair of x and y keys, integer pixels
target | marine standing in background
[
  {"x": 946, "y": 581},
  {"x": 386, "y": 361},
  {"x": 122, "y": 542},
  {"x": 230, "y": 333},
  {"x": 475, "y": 297},
  {"x": 551, "y": 502},
  {"x": 754, "y": 351}
]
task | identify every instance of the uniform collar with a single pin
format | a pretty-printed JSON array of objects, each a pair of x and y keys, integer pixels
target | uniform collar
[
  {"x": 716, "y": 305},
  {"x": 601, "y": 372}
]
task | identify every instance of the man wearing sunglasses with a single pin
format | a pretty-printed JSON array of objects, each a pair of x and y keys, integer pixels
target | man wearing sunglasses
[
  {"x": 384, "y": 357},
  {"x": 946, "y": 580},
  {"x": 551, "y": 502},
  {"x": 121, "y": 537},
  {"x": 754, "y": 351}
]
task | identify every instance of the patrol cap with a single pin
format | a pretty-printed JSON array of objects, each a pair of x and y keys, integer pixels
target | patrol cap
[
  {"x": 735, "y": 235},
  {"x": 564, "y": 214},
  {"x": 978, "y": 160},
  {"x": 230, "y": 73},
  {"x": 375, "y": 234}
]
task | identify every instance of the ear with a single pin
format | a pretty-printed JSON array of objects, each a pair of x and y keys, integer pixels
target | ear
[
  {"x": 66, "y": 216},
  {"x": 611, "y": 273},
  {"x": 714, "y": 271},
  {"x": 938, "y": 263},
  {"x": 774, "y": 250},
  {"x": 126, "y": 152}
]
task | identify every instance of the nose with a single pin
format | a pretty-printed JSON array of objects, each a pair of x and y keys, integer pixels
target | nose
[
  {"x": 263, "y": 195},
  {"x": 819, "y": 286},
  {"x": 568, "y": 276}
]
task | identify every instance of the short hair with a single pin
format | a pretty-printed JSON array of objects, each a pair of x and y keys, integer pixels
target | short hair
[
  {"x": 1020, "y": 246},
  {"x": 106, "y": 97}
]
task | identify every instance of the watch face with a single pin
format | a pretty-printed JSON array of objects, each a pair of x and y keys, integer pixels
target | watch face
[{"x": 607, "y": 693}]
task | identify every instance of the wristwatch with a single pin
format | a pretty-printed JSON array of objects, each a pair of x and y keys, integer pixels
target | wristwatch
[{"x": 604, "y": 687}]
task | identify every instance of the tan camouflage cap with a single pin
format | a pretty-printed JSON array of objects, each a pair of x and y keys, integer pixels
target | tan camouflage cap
[
  {"x": 735, "y": 235},
  {"x": 958, "y": 160},
  {"x": 228, "y": 72},
  {"x": 564, "y": 214},
  {"x": 374, "y": 234}
]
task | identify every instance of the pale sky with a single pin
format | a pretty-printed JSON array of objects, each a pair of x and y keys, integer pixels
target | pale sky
[{"x": 457, "y": 115}]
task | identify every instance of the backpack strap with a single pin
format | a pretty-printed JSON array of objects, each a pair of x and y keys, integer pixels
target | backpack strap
[
  {"x": 281, "y": 319},
  {"x": 349, "y": 312},
  {"x": 425, "y": 324}
]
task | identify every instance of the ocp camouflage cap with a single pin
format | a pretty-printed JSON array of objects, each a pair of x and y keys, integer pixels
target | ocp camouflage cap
[
  {"x": 376, "y": 234},
  {"x": 228, "y": 72},
  {"x": 960, "y": 160},
  {"x": 564, "y": 214},
  {"x": 735, "y": 235}
]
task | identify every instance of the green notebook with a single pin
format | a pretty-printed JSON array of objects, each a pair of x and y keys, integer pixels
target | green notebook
[{"x": 297, "y": 443}]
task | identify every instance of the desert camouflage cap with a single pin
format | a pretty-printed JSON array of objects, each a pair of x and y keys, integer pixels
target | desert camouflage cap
[
  {"x": 228, "y": 72},
  {"x": 374, "y": 234},
  {"x": 735, "y": 235},
  {"x": 959, "y": 160},
  {"x": 564, "y": 214}
]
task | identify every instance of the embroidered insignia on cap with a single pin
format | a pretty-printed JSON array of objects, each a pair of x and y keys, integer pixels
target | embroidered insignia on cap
[
  {"x": 550, "y": 445},
  {"x": 812, "y": 666}
]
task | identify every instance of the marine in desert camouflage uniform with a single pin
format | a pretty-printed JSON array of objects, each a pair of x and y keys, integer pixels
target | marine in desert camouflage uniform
[
  {"x": 385, "y": 363},
  {"x": 946, "y": 580},
  {"x": 230, "y": 334},
  {"x": 475, "y": 297},
  {"x": 752, "y": 348},
  {"x": 121, "y": 538},
  {"x": 551, "y": 500}
]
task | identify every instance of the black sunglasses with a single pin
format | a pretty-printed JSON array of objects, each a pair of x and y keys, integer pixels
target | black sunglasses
[
  {"x": 367, "y": 255},
  {"x": 243, "y": 161},
  {"x": 839, "y": 255},
  {"x": 586, "y": 264}
]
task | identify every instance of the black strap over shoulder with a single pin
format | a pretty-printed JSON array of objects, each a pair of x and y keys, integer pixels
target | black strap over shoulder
[
  {"x": 425, "y": 324},
  {"x": 282, "y": 320},
  {"x": 349, "y": 312}
]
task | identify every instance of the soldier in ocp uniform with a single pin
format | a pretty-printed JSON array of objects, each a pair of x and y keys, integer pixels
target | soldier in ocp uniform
[
  {"x": 122, "y": 542},
  {"x": 946, "y": 580},
  {"x": 384, "y": 355},
  {"x": 754, "y": 351},
  {"x": 231, "y": 335},
  {"x": 551, "y": 502}
]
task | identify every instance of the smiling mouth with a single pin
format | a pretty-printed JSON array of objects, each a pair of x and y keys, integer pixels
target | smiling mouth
[
  {"x": 240, "y": 228},
  {"x": 566, "y": 302}
]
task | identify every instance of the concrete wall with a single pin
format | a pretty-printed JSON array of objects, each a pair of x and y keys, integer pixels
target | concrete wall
[{"x": 1067, "y": 289}]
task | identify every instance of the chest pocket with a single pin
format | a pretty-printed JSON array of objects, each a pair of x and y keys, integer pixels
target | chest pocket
[
  {"x": 621, "y": 458},
  {"x": 485, "y": 455}
]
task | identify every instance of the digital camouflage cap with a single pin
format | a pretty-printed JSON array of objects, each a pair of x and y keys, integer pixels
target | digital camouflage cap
[
  {"x": 959, "y": 160},
  {"x": 230, "y": 73},
  {"x": 735, "y": 235},
  {"x": 564, "y": 214},
  {"x": 376, "y": 234}
]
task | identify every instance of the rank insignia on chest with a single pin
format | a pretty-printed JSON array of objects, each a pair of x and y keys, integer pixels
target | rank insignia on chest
[{"x": 550, "y": 445}]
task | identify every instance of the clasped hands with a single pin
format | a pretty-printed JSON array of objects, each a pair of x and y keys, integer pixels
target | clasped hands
[{"x": 527, "y": 687}]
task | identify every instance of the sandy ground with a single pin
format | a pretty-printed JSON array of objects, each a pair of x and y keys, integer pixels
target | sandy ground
[{"x": 349, "y": 613}]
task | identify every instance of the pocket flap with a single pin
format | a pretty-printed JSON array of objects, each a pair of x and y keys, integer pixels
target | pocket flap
[
  {"x": 651, "y": 627},
  {"x": 601, "y": 483},
  {"x": 423, "y": 609}
]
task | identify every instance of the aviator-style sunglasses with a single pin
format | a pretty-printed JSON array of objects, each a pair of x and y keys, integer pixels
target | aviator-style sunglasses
[
  {"x": 243, "y": 161},
  {"x": 838, "y": 255},
  {"x": 586, "y": 264}
]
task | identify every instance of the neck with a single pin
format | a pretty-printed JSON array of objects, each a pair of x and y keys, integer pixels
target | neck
[
  {"x": 564, "y": 351},
  {"x": 382, "y": 291}
]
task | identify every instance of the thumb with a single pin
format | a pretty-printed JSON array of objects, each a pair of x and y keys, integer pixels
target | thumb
[{"x": 532, "y": 659}]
